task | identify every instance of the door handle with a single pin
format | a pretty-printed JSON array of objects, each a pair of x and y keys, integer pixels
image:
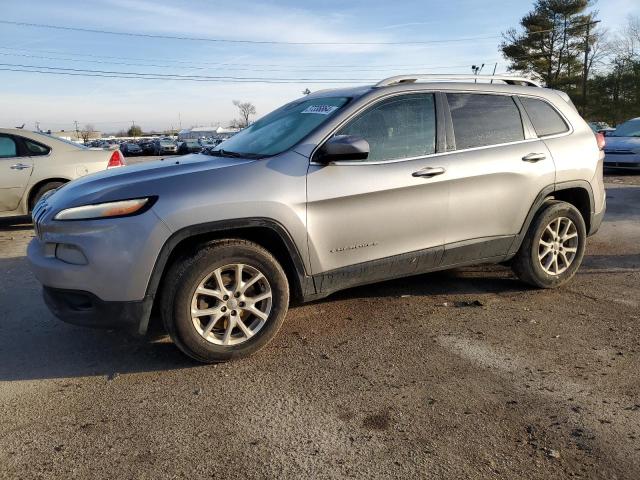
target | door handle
[
  {"x": 429, "y": 172},
  {"x": 19, "y": 166},
  {"x": 534, "y": 157}
]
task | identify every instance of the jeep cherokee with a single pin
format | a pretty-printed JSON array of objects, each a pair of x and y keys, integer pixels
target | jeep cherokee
[{"x": 340, "y": 188}]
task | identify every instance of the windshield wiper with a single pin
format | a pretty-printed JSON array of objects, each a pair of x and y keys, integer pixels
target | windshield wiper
[{"x": 226, "y": 153}]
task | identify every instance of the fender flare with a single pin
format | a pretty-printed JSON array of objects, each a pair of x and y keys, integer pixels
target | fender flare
[
  {"x": 542, "y": 196},
  {"x": 220, "y": 226}
]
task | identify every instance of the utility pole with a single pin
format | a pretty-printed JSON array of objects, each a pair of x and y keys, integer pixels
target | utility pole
[
  {"x": 77, "y": 130},
  {"x": 585, "y": 71}
]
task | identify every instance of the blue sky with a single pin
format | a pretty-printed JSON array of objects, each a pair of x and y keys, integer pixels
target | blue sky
[{"x": 112, "y": 103}]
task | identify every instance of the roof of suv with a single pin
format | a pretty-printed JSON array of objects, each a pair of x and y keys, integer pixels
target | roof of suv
[{"x": 469, "y": 83}]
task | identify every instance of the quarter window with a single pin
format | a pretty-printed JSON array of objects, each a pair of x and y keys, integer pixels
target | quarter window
[
  {"x": 480, "y": 120},
  {"x": 8, "y": 147},
  {"x": 34, "y": 149},
  {"x": 397, "y": 128},
  {"x": 546, "y": 121}
]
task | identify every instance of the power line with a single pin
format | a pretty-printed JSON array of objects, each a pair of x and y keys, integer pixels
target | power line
[
  {"x": 226, "y": 67},
  {"x": 173, "y": 75},
  {"x": 239, "y": 41},
  {"x": 152, "y": 77},
  {"x": 172, "y": 60}
]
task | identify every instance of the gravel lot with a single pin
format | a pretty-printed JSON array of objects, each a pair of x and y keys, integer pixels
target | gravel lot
[{"x": 462, "y": 374}]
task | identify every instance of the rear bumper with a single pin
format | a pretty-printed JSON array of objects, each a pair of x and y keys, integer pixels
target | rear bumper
[{"x": 86, "y": 309}]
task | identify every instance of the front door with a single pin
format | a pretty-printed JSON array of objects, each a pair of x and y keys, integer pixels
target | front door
[{"x": 384, "y": 216}]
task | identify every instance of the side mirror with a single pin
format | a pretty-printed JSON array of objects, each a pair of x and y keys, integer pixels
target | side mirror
[{"x": 343, "y": 147}]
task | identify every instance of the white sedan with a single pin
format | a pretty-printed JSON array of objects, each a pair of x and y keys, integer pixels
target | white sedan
[{"x": 32, "y": 163}]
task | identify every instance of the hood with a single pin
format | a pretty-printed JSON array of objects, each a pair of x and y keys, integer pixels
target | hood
[
  {"x": 140, "y": 180},
  {"x": 622, "y": 143}
]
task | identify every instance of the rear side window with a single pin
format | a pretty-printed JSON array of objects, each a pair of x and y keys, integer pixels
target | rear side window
[
  {"x": 8, "y": 147},
  {"x": 480, "y": 120},
  {"x": 397, "y": 128},
  {"x": 34, "y": 149},
  {"x": 546, "y": 121}
]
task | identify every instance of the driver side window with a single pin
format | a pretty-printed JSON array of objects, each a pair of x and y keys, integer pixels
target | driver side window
[{"x": 397, "y": 128}]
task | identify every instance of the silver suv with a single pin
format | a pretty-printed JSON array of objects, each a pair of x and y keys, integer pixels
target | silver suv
[{"x": 339, "y": 188}]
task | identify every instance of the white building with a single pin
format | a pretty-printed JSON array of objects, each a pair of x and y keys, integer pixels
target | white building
[{"x": 206, "y": 132}]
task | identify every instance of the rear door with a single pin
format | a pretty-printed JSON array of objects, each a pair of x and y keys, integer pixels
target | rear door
[
  {"x": 15, "y": 170},
  {"x": 372, "y": 210},
  {"x": 496, "y": 171}
]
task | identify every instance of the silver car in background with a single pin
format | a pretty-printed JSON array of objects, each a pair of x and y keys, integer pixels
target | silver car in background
[
  {"x": 33, "y": 163},
  {"x": 623, "y": 146},
  {"x": 340, "y": 188}
]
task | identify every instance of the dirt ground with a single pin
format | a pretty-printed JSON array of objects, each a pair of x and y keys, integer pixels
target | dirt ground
[{"x": 461, "y": 374}]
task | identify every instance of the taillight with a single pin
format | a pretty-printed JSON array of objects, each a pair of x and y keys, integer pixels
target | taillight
[
  {"x": 116, "y": 160},
  {"x": 601, "y": 140}
]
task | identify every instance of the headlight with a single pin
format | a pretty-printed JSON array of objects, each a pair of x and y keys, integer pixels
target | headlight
[{"x": 121, "y": 208}]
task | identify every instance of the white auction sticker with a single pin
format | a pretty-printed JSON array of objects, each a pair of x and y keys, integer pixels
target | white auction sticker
[{"x": 320, "y": 109}]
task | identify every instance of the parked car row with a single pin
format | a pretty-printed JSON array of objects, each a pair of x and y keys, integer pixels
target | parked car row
[{"x": 157, "y": 146}]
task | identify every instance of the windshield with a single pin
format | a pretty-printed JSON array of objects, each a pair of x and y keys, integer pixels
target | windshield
[
  {"x": 628, "y": 129},
  {"x": 282, "y": 128}
]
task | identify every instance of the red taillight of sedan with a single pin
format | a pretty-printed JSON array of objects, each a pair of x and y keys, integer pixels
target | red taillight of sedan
[
  {"x": 116, "y": 160},
  {"x": 601, "y": 140}
]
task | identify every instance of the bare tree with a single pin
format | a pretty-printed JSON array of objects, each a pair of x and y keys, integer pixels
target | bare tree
[
  {"x": 86, "y": 132},
  {"x": 246, "y": 109}
]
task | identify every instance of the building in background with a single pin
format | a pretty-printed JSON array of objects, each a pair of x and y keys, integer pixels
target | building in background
[{"x": 206, "y": 132}]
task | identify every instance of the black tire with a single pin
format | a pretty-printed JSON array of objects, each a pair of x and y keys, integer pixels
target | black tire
[
  {"x": 185, "y": 275},
  {"x": 41, "y": 191},
  {"x": 526, "y": 264}
]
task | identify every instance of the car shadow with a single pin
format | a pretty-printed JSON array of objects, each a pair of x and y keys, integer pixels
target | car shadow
[
  {"x": 35, "y": 345},
  {"x": 16, "y": 223}
]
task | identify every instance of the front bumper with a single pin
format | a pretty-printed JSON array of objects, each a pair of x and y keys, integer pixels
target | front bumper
[
  {"x": 103, "y": 283},
  {"x": 619, "y": 160},
  {"x": 85, "y": 309}
]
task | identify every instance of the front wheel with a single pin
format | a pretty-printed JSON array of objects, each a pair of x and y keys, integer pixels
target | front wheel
[
  {"x": 553, "y": 247},
  {"x": 226, "y": 301}
]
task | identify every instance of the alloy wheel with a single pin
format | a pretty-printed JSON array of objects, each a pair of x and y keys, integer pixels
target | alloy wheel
[
  {"x": 558, "y": 246},
  {"x": 231, "y": 304}
]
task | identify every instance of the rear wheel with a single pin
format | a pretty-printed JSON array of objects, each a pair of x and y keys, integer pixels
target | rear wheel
[
  {"x": 226, "y": 301},
  {"x": 41, "y": 191},
  {"x": 553, "y": 247}
]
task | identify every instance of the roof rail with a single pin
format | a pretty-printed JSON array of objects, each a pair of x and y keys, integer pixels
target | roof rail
[{"x": 510, "y": 80}]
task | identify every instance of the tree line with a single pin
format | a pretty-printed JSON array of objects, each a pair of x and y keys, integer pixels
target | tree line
[{"x": 562, "y": 43}]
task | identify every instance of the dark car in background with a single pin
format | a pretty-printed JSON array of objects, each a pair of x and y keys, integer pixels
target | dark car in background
[
  {"x": 147, "y": 147},
  {"x": 130, "y": 149},
  {"x": 189, "y": 146},
  {"x": 623, "y": 146}
]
